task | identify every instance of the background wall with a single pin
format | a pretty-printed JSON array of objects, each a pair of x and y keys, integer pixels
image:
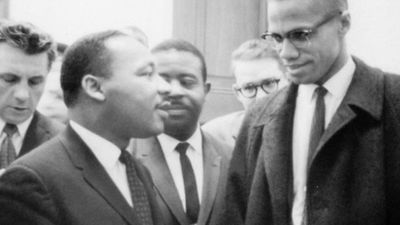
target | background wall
[
  {"x": 4, "y": 8},
  {"x": 216, "y": 27},
  {"x": 67, "y": 20},
  {"x": 375, "y": 32}
]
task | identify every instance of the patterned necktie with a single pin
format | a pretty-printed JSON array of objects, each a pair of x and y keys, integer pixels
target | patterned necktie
[
  {"x": 141, "y": 205},
  {"x": 318, "y": 123},
  {"x": 192, "y": 197},
  {"x": 8, "y": 154}
]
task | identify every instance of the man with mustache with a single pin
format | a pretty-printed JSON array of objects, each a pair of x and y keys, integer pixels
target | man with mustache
[
  {"x": 188, "y": 166},
  {"x": 329, "y": 142},
  {"x": 26, "y": 56},
  {"x": 85, "y": 175}
]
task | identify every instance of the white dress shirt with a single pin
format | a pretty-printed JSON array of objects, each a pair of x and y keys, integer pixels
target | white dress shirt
[
  {"x": 337, "y": 87},
  {"x": 195, "y": 155},
  {"x": 108, "y": 155},
  {"x": 18, "y": 138}
]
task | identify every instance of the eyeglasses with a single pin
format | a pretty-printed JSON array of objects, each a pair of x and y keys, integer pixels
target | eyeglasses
[
  {"x": 300, "y": 38},
  {"x": 250, "y": 90}
]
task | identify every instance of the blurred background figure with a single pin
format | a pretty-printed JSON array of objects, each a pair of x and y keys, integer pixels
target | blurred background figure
[
  {"x": 258, "y": 72},
  {"x": 52, "y": 104},
  {"x": 26, "y": 56}
]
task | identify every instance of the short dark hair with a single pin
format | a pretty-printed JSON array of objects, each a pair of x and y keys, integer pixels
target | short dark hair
[
  {"x": 88, "y": 55},
  {"x": 184, "y": 46},
  {"x": 29, "y": 38}
]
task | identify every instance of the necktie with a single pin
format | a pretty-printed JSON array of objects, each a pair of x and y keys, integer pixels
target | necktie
[
  {"x": 317, "y": 129},
  {"x": 8, "y": 154},
  {"x": 192, "y": 198},
  {"x": 141, "y": 205},
  {"x": 318, "y": 123}
]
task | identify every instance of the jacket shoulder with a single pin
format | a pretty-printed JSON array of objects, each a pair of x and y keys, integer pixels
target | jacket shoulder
[{"x": 52, "y": 126}]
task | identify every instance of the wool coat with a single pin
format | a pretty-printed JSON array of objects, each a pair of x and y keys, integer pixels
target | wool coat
[{"x": 354, "y": 176}]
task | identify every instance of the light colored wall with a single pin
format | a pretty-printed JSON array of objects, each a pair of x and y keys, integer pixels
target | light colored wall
[
  {"x": 375, "y": 33},
  {"x": 67, "y": 20},
  {"x": 4, "y": 8}
]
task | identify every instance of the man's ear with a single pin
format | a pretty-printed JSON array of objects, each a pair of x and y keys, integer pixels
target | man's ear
[
  {"x": 92, "y": 86},
  {"x": 345, "y": 22},
  {"x": 207, "y": 87}
]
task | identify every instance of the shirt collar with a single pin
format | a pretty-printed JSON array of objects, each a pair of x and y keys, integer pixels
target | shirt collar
[
  {"x": 105, "y": 151},
  {"x": 169, "y": 143},
  {"x": 336, "y": 86},
  {"x": 22, "y": 128}
]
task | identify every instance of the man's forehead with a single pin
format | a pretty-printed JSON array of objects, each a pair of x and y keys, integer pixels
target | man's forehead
[{"x": 285, "y": 15}]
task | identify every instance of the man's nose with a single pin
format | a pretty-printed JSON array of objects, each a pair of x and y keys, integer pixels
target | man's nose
[
  {"x": 176, "y": 88},
  {"x": 163, "y": 87},
  {"x": 21, "y": 91},
  {"x": 288, "y": 51}
]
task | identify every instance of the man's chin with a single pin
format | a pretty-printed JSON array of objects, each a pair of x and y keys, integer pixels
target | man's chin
[{"x": 16, "y": 120}]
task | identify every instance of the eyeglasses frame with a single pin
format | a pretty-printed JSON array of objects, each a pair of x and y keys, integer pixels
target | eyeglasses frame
[
  {"x": 257, "y": 86},
  {"x": 308, "y": 31}
]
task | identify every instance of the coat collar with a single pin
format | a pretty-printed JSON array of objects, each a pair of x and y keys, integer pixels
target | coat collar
[
  {"x": 364, "y": 96},
  {"x": 94, "y": 174},
  {"x": 37, "y": 133},
  {"x": 149, "y": 151},
  {"x": 365, "y": 93}
]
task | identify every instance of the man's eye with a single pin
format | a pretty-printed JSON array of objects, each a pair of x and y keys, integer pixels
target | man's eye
[
  {"x": 35, "y": 81},
  {"x": 188, "y": 82},
  {"x": 9, "y": 78},
  {"x": 300, "y": 36},
  {"x": 146, "y": 74},
  {"x": 249, "y": 88},
  {"x": 277, "y": 38}
]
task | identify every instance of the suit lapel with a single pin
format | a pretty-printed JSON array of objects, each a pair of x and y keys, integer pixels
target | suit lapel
[
  {"x": 95, "y": 175},
  {"x": 152, "y": 156},
  {"x": 277, "y": 147},
  {"x": 35, "y": 134},
  {"x": 211, "y": 169},
  {"x": 365, "y": 94}
]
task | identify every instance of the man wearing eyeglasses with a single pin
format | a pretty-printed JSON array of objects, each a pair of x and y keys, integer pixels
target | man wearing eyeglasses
[
  {"x": 257, "y": 70},
  {"x": 330, "y": 141}
]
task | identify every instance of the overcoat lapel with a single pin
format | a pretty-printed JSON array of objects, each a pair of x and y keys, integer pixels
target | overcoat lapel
[
  {"x": 152, "y": 156},
  {"x": 95, "y": 175},
  {"x": 212, "y": 167},
  {"x": 277, "y": 147},
  {"x": 365, "y": 94}
]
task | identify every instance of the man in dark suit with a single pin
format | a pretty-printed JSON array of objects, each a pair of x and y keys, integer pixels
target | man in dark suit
[
  {"x": 26, "y": 56},
  {"x": 85, "y": 175},
  {"x": 189, "y": 180},
  {"x": 329, "y": 142}
]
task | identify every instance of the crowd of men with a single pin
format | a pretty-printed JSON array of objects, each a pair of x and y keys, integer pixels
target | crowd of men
[{"x": 318, "y": 141}]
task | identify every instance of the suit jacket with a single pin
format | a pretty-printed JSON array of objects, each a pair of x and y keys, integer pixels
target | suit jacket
[
  {"x": 354, "y": 177},
  {"x": 225, "y": 128},
  {"x": 40, "y": 130},
  {"x": 63, "y": 183},
  {"x": 215, "y": 156}
]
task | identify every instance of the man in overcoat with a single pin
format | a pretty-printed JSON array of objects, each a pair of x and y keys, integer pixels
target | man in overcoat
[{"x": 329, "y": 143}]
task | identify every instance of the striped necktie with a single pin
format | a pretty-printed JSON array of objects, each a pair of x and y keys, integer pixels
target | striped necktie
[{"x": 8, "y": 154}]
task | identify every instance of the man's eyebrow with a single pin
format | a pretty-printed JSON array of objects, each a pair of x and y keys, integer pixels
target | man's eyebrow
[{"x": 8, "y": 73}]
